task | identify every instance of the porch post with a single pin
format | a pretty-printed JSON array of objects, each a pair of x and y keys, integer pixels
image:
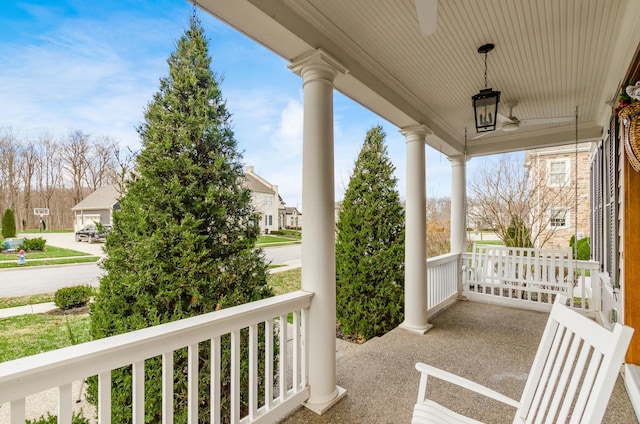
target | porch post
[
  {"x": 318, "y": 71},
  {"x": 415, "y": 262},
  {"x": 458, "y": 212}
]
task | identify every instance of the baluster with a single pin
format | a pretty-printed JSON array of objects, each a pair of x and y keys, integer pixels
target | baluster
[
  {"x": 282, "y": 382},
  {"x": 64, "y": 404},
  {"x": 192, "y": 383},
  {"x": 296, "y": 352},
  {"x": 167, "y": 388},
  {"x": 215, "y": 380},
  {"x": 253, "y": 371},
  {"x": 235, "y": 376},
  {"x": 138, "y": 392},
  {"x": 17, "y": 411},
  {"x": 268, "y": 364},
  {"x": 305, "y": 343},
  {"x": 104, "y": 397}
]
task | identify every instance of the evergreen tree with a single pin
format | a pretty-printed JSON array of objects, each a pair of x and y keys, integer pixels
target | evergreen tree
[
  {"x": 370, "y": 245},
  {"x": 8, "y": 224},
  {"x": 183, "y": 241}
]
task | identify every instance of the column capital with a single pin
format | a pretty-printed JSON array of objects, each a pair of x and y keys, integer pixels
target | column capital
[
  {"x": 458, "y": 160},
  {"x": 317, "y": 65},
  {"x": 416, "y": 132}
]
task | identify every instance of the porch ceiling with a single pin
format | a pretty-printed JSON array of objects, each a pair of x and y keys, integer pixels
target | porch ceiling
[{"x": 550, "y": 57}]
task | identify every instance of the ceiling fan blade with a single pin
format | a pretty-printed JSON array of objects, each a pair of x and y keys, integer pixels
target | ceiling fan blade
[
  {"x": 482, "y": 134},
  {"x": 543, "y": 121},
  {"x": 502, "y": 118},
  {"x": 427, "y": 11}
]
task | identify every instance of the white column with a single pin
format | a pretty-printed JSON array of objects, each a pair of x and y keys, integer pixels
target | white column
[
  {"x": 458, "y": 204},
  {"x": 318, "y": 71},
  {"x": 415, "y": 264},
  {"x": 458, "y": 213}
]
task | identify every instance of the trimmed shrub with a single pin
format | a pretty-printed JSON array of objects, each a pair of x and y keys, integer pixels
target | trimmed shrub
[
  {"x": 34, "y": 244},
  {"x": 183, "y": 241},
  {"x": 584, "y": 248},
  {"x": 8, "y": 224},
  {"x": 518, "y": 234},
  {"x": 72, "y": 297},
  {"x": 370, "y": 246}
]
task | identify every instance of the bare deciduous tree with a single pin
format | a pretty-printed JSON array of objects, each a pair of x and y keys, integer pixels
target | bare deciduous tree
[
  {"x": 100, "y": 162},
  {"x": 30, "y": 156},
  {"x": 56, "y": 174},
  {"x": 10, "y": 165},
  {"x": 75, "y": 159},
  {"x": 504, "y": 194}
]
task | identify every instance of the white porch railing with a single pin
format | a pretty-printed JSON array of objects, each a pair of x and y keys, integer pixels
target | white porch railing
[
  {"x": 442, "y": 278},
  {"x": 60, "y": 368},
  {"x": 530, "y": 278}
]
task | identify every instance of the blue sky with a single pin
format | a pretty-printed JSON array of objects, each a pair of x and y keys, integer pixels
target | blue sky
[{"x": 93, "y": 66}]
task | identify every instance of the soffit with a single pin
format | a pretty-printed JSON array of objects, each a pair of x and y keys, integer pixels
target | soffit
[{"x": 550, "y": 57}]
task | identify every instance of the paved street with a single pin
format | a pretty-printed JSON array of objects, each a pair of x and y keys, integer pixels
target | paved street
[{"x": 47, "y": 279}]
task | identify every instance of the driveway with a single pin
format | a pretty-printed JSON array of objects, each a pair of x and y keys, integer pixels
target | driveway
[{"x": 68, "y": 241}]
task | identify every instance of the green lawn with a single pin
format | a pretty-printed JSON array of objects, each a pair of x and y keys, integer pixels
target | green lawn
[
  {"x": 11, "y": 302},
  {"x": 50, "y": 256},
  {"x": 276, "y": 239},
  {"x": 49, "y": 261},
  {"x": 30, "y": 334}
]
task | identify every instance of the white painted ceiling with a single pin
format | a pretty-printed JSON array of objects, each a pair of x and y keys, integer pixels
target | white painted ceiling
[{"x": 550, "y": 57}]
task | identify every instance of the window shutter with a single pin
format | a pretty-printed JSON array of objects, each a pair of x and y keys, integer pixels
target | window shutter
[{"x": 612, "y": 205}]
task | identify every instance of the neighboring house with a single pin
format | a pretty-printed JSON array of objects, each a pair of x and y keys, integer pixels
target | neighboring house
[
  {"x": 265, "y": 200},
  {"x": 555, "y": 168},
  {"x": 97, "y": 207},
  {"x": 292, "y": 218}
]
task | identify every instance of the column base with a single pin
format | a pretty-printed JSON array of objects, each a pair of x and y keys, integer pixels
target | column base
[
  {"x": 462, "y": 297},
  {"x": 416, "y": 329},
  {"x": 322, "y": 407}
]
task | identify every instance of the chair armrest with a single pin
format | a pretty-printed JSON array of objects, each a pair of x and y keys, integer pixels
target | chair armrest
[{"x": 462, "y": 382}]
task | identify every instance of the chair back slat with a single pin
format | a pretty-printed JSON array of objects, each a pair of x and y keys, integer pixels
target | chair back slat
[
  {"x": 576, "y": 357},
  {"x": 567, "y": 370},
  {"x": 572, "y": 389},
  {"x": 540, "y": 371}
]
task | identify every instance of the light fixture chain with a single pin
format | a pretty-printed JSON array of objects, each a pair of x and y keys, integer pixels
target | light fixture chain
[{"x": 485, "y": 70}]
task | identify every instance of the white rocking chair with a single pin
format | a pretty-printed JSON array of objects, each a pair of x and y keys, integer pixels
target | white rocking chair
[{"x": 571, "y": 378}]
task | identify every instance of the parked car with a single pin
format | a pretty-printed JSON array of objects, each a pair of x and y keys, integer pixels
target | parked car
[{"x": 91, "y": 233}]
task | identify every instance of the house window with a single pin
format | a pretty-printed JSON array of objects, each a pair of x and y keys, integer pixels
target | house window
[
  {"x": 268, "y": 201},
  {"x": 270, "y": 219},
  {"x": 559, "y": 218},
  {"x": 558, "y": 172}
]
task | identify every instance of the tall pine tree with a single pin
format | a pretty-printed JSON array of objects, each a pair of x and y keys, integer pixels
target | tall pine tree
[
  {"x": 370, "y": 245},
  {"x": 183, "y": 242}
]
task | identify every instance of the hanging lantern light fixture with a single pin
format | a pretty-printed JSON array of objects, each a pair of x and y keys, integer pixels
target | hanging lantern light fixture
[{"x": 485, "y": 103}]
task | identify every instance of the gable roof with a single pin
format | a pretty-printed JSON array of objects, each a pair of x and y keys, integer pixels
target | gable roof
[
  {"x": 253, "y": 184},
  {"x": 103, "y": 198}
]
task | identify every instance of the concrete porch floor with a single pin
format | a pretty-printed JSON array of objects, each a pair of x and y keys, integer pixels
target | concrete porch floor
[{"x": 489, "y": 344}]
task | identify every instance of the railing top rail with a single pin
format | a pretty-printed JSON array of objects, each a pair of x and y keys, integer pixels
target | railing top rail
[
  {"x": 478, "y": 246},
  {"x": 440, "y": 259},
  {"x": 49, "y": 369}
]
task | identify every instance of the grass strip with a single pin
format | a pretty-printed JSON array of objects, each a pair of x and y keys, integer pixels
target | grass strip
[
  {"x": 49, "y": 252},
  {"x": 49, "y": 261},
  {"x": 12, "y": 302}
]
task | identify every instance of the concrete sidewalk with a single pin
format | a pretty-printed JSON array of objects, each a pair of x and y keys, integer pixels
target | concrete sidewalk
[{"x": 38, "y": 308}]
